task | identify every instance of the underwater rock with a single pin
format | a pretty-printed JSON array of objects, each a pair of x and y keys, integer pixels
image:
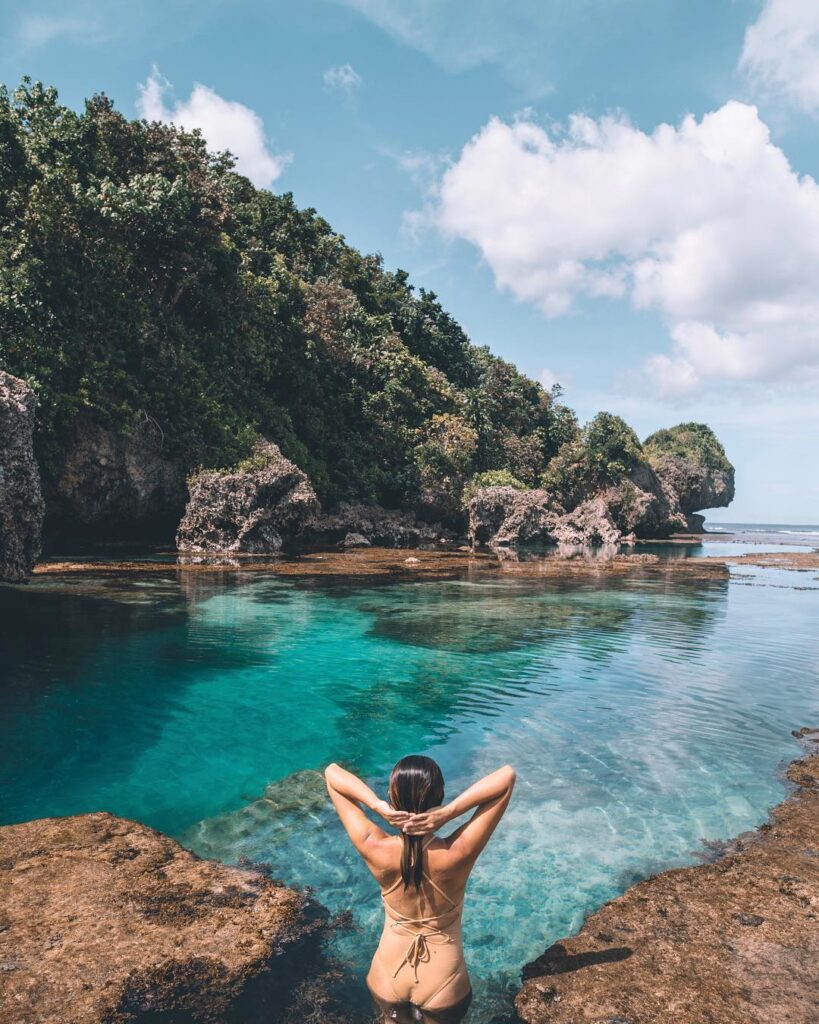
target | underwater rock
[
  {"x": 21, "y": 500},
  {"x": 254, "y": 510},
  {"x": 106, "y": 920},
  {"x": 264, "y": 822},
  {"x": 731, "y": 942},
  {"x": 114, "y": 486},
  {"x": 378, "y": 526}
]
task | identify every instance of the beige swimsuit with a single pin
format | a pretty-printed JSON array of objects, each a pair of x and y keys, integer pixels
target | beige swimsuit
[{"x": 420, "y": 959}]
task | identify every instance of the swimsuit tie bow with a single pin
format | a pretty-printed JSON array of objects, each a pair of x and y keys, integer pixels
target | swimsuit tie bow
[{"x": 418, "y": 953}]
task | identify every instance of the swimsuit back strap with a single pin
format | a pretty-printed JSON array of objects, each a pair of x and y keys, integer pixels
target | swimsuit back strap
[{"x": 435, "y": 886}]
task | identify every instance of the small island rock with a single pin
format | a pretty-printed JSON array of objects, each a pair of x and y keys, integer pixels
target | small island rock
[{"x": 252, "y": 509}]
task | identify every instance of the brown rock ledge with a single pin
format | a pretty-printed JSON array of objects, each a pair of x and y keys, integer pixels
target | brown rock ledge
[
  {"x": 733, "y": 942},
  {"x": 106, "y": 920}
]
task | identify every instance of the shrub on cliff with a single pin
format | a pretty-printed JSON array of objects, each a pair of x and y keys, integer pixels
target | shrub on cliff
[
  {"x": 603, "y": 452},
  {"x": 694, "y": 442},
  {"x": 491, "y": 478}
]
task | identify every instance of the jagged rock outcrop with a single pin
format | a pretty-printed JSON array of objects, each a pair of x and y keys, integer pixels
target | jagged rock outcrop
[
  {"x": 732, "y": 942},
  {"x": 253, "y": 509},
  {"x": 641, "y": 504},
  {"x": 386, "y": 528},
  {"x": 696, "y": 486},
  {"x": 506, "y": 516},
  {"x": 106, "y": 920},
  {"x": 111, "y": 485},
  {"x": 21, "y": 500}
]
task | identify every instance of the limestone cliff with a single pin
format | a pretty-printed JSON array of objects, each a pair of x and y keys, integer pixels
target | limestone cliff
[
  {"x": 252, "y": 509},
  {"x": 21, "y": 500}
]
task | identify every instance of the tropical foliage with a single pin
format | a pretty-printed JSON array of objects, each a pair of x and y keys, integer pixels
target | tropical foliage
[{"x": 141, "y": 278}]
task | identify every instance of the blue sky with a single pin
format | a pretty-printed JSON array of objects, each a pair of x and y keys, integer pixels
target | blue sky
[{"x": 508, "y": 156}]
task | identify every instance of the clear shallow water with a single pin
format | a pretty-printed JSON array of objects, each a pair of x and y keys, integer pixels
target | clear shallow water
[{"x": 643, "y": 714}]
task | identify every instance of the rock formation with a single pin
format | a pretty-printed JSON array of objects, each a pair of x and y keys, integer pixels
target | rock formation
[
  {"x": 642, "y": 504},
  {"x": 732, "y": 942},
  {"x": 106, "y": 920},
  {"x": 695, "y": 486},
  {"x": 253, "y": 509},
  {"x": 387, "y": 528},
  {"x": 111, "y": 485},
  {"x": 21, "y": 500}
]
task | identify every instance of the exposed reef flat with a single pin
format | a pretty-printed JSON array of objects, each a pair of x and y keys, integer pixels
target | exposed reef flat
[
  {"x": 406, "y": 563},
  {"x": 800, "y": 560},
  {"x": 731, "y": 942},
  {"x": 104, "y": 919}
]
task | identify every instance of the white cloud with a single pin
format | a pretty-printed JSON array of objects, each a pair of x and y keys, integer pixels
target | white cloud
[
  {"x": 344, "y": 78},
  {"x": 706, "y": 223},
  {"x": 225, "y": 124},
  {"x": 781, "y": 50},
  {"x": 548, "y": 379},
  {"x": 40, "y": 29}
]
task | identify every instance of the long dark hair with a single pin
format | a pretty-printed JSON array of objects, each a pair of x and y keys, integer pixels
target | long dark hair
[{"x": 416, "y": 785}]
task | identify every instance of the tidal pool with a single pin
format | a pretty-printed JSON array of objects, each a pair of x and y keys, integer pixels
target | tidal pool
[{"x": 644, "y": 714}]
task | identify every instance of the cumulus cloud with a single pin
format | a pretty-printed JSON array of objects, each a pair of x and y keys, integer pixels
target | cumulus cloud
[
  {"x": 225, "y": 124},
  {"x": 706, "y": 223},
  {"x": 344, "y": 78},
  {"x": 781, "y": 50}
]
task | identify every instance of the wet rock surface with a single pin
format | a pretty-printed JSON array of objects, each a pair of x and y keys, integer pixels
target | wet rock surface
[
  {"x": 21, "y": 499},
  {"x": 106, "y": 920},
  {"x": 113, "y": 485},
  {"x": 253, "y": 510},
  {"x": 731, "y": 942}
]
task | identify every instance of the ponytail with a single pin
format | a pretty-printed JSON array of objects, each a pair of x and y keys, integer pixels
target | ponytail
[
  {"x": 412, "y": 860},
  {"x": 416, "y": 785}
]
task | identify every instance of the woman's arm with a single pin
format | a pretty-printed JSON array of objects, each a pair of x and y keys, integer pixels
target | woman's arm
[
  {"x": 485, "y": 790},
  {"x": 348, "y": 793},
  {"x": 490, "y": 795}
]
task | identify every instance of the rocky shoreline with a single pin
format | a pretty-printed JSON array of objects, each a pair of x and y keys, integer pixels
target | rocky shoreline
[
  {"x": 731, "y": 942},
  {"x": 121, "y": 487},
  {"x": 106, "y": 920}
]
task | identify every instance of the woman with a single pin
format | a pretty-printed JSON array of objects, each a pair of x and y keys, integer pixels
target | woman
[{"x": 418, "y": 972}]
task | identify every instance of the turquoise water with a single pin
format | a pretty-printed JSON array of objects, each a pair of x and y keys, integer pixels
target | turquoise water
[{"x": 643, "y": 714}]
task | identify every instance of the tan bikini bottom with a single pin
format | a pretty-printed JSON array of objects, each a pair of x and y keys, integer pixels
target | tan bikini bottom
[{"x": 407, "y": 1013}]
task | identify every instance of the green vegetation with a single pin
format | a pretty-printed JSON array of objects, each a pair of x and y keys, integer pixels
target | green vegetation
[
  {"x": 491, "y": 478},
  {"x": 693, "y": 441},
  {"x": 143, "y": 280},
  {"x": 604, "y": 451},
  {"x": 140, "y": 277}
]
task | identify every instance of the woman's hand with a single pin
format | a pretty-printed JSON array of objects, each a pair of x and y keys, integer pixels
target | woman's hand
[
  {"x": 389, "y": 813},
  {"x": 425, "y": 822}
]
